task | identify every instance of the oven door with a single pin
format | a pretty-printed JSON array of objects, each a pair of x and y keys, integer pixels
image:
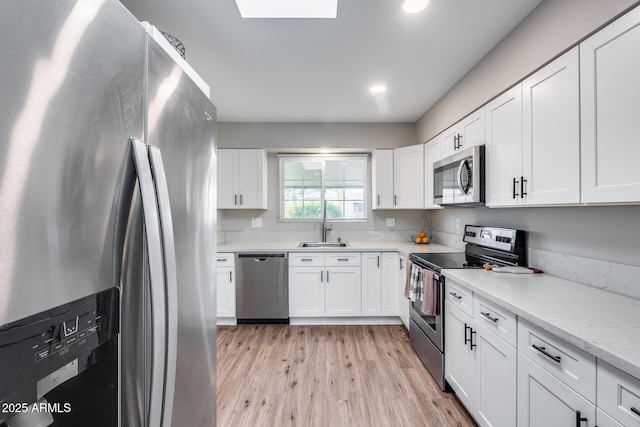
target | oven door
[{"x": 431, "y": 325}]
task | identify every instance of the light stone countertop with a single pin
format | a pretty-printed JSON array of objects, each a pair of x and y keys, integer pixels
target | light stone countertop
[
  {"x": 404, "y": 248},
  {"x": 602, "y": 323}
]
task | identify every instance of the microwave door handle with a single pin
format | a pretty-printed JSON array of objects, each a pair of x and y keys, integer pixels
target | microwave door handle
[
  {"x": 461, "y": 169},
  {"x": 156, "y": 278},
  {"x": 171, "y": 284}
]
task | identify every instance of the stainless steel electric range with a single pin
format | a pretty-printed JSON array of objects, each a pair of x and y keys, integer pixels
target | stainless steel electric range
[{"x": 494, "y": 245}]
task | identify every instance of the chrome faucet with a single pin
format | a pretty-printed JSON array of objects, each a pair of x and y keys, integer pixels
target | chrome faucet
[{"x": 325, "y": 227}]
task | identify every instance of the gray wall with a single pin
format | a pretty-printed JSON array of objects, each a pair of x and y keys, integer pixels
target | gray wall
[
  {"x": 605, "y": 233},
  {"x": 295, "y": 137},
  {"x": 364, "y": 136},
  {"x": 549, "y": 30},
  {"x": 609, "y": 233}
]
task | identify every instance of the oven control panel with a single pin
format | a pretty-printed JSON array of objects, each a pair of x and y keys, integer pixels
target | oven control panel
[{"x": 503, "y": 239}]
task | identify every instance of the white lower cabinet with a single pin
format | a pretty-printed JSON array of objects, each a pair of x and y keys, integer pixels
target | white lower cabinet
[
  {"x": 618, "y": 396},
  {"x": 479, "y": 365},
  {"x": 225, "y": 287},
  {"x": 544, "y": 400},
  {"x": 380, "y": 283},
  {"x": 325, "y": 285},
  {"x": 604, "y": 420}
]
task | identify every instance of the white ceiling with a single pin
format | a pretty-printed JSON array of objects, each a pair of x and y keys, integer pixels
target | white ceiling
[{"x": 319, "y": 70}]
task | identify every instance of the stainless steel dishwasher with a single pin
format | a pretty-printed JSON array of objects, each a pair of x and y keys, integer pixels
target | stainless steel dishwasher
[{"x": 262, "y": 288}]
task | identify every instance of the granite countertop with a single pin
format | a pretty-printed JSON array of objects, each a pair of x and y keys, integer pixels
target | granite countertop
[
  {"x": 404, "y": 248},
  {"x": 602, "y": 323}
]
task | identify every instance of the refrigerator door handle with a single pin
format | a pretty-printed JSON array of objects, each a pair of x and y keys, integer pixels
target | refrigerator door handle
[
  {"x": 171, "y": 280},
  {"x": 156, "y": 277}
]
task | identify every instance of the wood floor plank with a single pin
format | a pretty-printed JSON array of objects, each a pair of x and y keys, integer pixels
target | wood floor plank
[{"x": 282, "y": 375}]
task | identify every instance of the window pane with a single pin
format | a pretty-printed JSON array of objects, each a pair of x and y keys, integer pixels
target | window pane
[{"x": 307, "y": 182}]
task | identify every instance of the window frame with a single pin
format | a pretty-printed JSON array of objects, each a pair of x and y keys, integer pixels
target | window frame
[{"x": 282, "y": 158}]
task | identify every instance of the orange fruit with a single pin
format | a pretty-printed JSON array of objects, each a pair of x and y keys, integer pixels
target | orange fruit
[
  {"x": 425, "y": 240},
  {"x": 418, "y": 239},
  {"x": 422, "y": 234}
]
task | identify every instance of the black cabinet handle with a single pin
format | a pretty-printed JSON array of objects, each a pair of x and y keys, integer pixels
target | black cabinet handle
[
  {"x": 395, "y": 200},
  {"x": 230, "y": 277},
  {"x": 579, "y": 419},
  {"x": 241, "y": 200},
  {"x": 466, "y": 340},
  {"x": 635, "y": 411},
  {"x": 543, "y": 350},
  {"x": 522, "y": 181},
  {"x": 378, "y": 261},
  {"x": 488, "y": 316},
  {"x": 378, "y": 200},
  {"x": 235, "y": 199},
  {"x": 459, "y": 142},
  {"x": 455, "y": 142},
  {"x": 515, "y": 182},
  {"x": 327, "y": 276},
  {"x": 321, "y": 276},
  {"x": 472, "y": 346},
  {"x": 456, "y": 296}
]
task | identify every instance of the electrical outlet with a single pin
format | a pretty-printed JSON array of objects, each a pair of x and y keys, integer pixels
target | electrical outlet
[
  {"x": 457, "y": 223},
  {"x": 256, "y": 222},
  {"x": 391, "y": 222}
]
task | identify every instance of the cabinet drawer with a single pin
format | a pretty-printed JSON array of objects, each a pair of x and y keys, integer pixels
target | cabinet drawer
[
  {"x": 573, "y": 366},
  {"x": 306, "y": 259},
  {"x": 619, "y": 394},
  {"x": 224, "y": 259},
  {"x": 459, "y": 296},
  {"x": 341, "y": 259},
  {"x": 496, "y": 319}
]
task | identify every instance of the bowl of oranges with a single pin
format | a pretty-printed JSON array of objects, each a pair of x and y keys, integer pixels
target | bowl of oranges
[{"x": 421, "y": 238}]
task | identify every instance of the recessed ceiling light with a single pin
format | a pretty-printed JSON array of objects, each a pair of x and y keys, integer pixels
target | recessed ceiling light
[
  {"x": 288, "y": 8},
  {"x": 414, "y": 6},
  {"x": 378, "y": 88}
]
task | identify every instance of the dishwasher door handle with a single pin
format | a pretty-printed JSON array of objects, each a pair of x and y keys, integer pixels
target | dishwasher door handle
[{"x": 261, "y": 259}]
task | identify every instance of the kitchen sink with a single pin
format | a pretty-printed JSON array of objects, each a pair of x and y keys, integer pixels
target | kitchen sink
[{"x": 323, "y": 245}]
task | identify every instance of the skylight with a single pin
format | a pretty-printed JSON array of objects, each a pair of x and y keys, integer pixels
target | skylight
[{"x": 288, "y": 8}]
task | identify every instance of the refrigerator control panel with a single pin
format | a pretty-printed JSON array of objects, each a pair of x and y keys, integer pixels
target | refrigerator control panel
[{"x": 34, "y": 348}]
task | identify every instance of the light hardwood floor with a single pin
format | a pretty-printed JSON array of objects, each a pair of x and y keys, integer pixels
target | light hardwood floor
[{"x": 281, "y": 375}]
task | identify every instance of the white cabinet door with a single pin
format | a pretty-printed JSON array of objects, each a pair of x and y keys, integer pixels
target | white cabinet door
[
  {"x": 551, "y": 133},
  {"x": 252, "y": 181},
  {"x": 371, "y": 280},
  {"x": 472, "y": 130},
  {"x": 404, "y": 302},
  {"x": 495, "y": 380},
  {"x": 343, "y": 292},
  {"x": 382, "y": 179},
  {"x": 432, "y": 154},
  {"x": 604, "y": 420},
  {"x": 544, "y": 400},
  {"x": 306, "y": 291},
  {"x": 408, "y": 177},
  {"x": 609, "y": 93},
  {"x": 504, "y": 148},
  {"x": 227, "y": 179},
  {"x": 449, "y": 140},
  {"x": 459, "y": 357},
  {"x": 226, "y": 292},
  {"x": 389, "y": 268},
  {"x": 242, "y": 179}
]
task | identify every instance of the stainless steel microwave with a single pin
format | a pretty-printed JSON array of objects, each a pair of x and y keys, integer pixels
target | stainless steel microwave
[{"x": 458, "y": 180}]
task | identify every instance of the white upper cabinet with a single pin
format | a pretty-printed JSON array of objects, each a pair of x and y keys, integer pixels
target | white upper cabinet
[
  {"x": 398, "y": 178},
  {"x": 504, "y": 148},
  {"x": 432, "y": 153},
  {"x": 610, "y": 89},
  {"x": 467, "y": 133},
  {"x": 242, "y": 179},
  {"x": 382, "y": 179},
  {"x": 408, "y": 177},
  {"x": 551, "y": 133},
  {"x": 533, "y": 139}
]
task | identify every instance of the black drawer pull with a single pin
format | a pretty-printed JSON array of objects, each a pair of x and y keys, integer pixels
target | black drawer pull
[
  {"x": 635, "y": 411},
  {"x": 488, "y": 316},
  {"x": 306, "y": 259},
  {"x": 456, "y": 296},
  {"x": 221, "y": 260},
  {"x": 579, "y": 419},
  {"x": 543, "y": 350},
  {"x": 466, "y": 340},
  {"x": 347, "y": 259}
]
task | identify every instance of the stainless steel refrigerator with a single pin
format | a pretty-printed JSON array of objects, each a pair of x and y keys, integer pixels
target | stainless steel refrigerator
[{"x": 107, "y": 222}]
